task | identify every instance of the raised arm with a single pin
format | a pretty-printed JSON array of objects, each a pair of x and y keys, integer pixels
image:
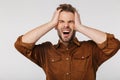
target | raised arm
[
  {"x": 94, "y": 34},
  {"x": 35, "y": 34}
]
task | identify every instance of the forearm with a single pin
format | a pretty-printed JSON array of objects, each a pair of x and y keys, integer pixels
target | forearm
[
  {"x": 35, "y": 34},
  {"x": 94, "y": 34}
]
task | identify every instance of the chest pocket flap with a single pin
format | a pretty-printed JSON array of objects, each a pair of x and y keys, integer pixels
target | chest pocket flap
[
  {"x": 80, "y": 62},
  {"x": 81, "y": 56},
  {"x": 54, "y": 59}
]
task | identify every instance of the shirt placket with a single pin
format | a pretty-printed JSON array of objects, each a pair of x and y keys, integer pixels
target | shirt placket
[{"x": 68, "y": 64}]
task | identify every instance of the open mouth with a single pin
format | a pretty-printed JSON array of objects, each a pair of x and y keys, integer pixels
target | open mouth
[{"x": 66, "y": 32}]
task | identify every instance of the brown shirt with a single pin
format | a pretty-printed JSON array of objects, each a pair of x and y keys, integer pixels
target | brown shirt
[{"x": 79, "y": 61}]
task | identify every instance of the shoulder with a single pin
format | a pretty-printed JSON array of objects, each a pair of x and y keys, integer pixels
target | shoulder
[
  {"x": 44, "y": 44},
  {"x": 88, "y": 43}
]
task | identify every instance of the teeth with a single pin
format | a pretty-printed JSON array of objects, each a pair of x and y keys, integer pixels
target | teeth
[{"x": 65, "y": 32}]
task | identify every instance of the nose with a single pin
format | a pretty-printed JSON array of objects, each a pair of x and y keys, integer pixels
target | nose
[{"x": 66, "y": 25}]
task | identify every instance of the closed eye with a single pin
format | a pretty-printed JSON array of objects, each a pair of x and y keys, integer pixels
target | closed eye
[
  {"x": 61, "y": 21},
  {"x": 71, "y": 21}
]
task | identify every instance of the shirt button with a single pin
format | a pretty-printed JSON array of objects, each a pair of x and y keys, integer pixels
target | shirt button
[
  {"x": 52, "y": 60},
  {"x": 82, "y": 57},
  {"x": 67, "y": 73},
  {"x": 67, "y": 58},
  {"x": 67, "y": 49}
]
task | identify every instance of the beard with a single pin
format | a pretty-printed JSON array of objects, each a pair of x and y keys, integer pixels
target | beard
[{"x": 67, "y": 40}]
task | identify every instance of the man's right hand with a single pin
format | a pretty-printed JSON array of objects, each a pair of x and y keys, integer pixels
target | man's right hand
[{"x": 55, "y": 17}]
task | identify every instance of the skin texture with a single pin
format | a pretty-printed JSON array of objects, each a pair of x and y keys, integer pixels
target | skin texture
[{"x": 66, "y": 25}]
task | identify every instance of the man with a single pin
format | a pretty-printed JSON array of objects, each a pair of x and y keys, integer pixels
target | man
[{"x": 70, "y": 59}]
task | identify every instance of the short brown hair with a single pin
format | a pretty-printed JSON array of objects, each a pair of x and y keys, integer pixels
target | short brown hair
[{"x": 66, "y": 7}]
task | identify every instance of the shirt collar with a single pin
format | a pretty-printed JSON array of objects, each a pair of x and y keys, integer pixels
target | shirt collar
[{"x": 75, "y": 41}]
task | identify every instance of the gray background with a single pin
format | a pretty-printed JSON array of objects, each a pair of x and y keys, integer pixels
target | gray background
[{"x": 19, "y": 16}]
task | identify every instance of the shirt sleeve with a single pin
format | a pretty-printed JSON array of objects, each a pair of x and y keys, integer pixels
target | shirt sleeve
[
  {"x": 23, "y": 47},
  {"x": 111, "y": 45},
  {"x": 33, "y": 52},
  {"x": 106, "y": 50}
]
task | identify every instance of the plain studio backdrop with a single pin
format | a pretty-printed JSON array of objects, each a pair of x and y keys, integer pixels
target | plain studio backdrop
[{"x": 19, "y": 16}]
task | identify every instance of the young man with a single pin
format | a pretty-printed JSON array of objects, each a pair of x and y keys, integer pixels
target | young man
[{"x": 70, "y": 59}]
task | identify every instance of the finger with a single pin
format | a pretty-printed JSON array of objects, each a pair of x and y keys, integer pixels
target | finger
[
  {"x": 77, "y": 14},
  {"x": 59, "y": 10}
]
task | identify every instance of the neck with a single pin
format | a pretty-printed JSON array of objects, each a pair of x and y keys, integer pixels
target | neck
[{"x": 65, "y": 43}]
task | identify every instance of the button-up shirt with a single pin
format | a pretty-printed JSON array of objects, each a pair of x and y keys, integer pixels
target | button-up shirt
[{"x": 78, "y": 61}]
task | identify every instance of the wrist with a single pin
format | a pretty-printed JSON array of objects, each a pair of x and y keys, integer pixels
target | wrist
[
  {"x": 52, "y": 24},
  {"x": 78, "y": 27}
]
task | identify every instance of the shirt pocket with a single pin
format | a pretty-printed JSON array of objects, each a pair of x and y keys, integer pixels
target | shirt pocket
[
  {"x": 54, "y": 59},
  {"x": 80, "y": 62},
  {"x": 54, "y": 64}
]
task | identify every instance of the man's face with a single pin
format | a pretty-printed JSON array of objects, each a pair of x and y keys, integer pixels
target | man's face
[{"x": 65, "y": 26}]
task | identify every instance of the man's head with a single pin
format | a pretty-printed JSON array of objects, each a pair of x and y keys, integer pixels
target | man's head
[{"x": 66, "y": 23}]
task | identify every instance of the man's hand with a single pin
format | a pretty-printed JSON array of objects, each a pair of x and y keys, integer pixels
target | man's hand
[
  {"x": 77, "y": 21},
  {"x": 55, "y": 17},
  {"x": 96, "y": 35}
]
